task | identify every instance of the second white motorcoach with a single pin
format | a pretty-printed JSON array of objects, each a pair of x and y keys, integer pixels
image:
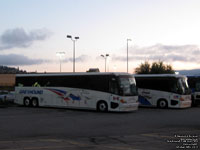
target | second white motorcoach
[
  {"x": 100, "y": 91},
  {"x": 194, "y": 84},
  {"x": 163, "y": 90}
]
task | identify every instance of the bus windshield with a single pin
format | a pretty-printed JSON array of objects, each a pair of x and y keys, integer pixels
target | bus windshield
[
  {"x": 183, "y": 87},
  {"x": 127, "y": 86}
]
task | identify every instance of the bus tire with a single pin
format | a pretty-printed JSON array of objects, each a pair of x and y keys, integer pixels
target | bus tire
[
  {"x": 35, "y": 102},
  {"x": 162, "y": 103},
  {"x": 102, "y": 106},
  {"x": 27, "y": 101}
]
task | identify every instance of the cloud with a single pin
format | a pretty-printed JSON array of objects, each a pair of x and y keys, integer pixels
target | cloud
[
  {"x": 168, "y": 53},
  {"x": 19, "y": 38},
  {"x": 19, "y": 60},
  {"x": 82, "y": 58}
]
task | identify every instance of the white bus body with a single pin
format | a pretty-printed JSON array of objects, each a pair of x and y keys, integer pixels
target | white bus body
[
  {"x": 163, "y": 90},
  {"x": 98, "y": 91},
  {"x": 194, "y": 84}
]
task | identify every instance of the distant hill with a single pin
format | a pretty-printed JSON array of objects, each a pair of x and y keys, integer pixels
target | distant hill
[
  {"x": 189, "y": 72},
  {"x": 10, "y": 70}
]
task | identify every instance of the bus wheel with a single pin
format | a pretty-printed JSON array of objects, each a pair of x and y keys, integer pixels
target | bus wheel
[
  {"x": 27, "y": 101},
  {"x": 162, "y": 103},
  {"x": 102, "y": 106},
  {"x": 34, "y": 102}
]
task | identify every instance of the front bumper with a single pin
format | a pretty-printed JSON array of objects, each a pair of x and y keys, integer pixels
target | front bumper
[
  {"x": 129, "y": 107},
  {"x": 185, "y": 104}
]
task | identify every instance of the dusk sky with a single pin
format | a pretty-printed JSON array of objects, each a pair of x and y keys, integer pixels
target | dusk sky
[{"x": 32, "y": 31}]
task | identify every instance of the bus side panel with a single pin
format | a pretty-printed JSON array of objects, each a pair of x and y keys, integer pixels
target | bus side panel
[
  {"x": 51, "y": 97},
  {"x": 76, "y": 98},
  {"x": 62, "y": 97},
  {"x": 30, "y": 92},
  {"x": 160, "y": 95},
  {"x": 151, "y": 98},
  {"x": 18, "y": 97},
  {"x": 145, "y": 98},
  {"x": 90, "y": 98}
]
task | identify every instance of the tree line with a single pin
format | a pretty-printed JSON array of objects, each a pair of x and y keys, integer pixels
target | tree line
[
  {"x": 10, "y": 70},
  {"x": 154, "y": 68},
  {"x": 144, "y": 68}
]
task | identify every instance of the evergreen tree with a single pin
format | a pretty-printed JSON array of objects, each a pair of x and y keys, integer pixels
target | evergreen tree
[
  {"x": 144, "y": 68},
  {"x": 156, "y": 68}
]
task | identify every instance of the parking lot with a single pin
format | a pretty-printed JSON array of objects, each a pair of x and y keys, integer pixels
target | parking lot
[{"x": 57, "y": 129}]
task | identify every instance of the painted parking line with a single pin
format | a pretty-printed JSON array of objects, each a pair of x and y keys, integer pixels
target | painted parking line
[
  {"x": 64, "y": 147},
  {"x": 158, "y": 135},
  {"x": 38, "y": 148},
  {"x": 63, "y": 144},
  {"x": 155, "y": 135}
]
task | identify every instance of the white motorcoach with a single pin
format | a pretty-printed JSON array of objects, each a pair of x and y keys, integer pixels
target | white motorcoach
[
  {"x": 99, "y": 91},
  {"x": 163, "y": 90}
]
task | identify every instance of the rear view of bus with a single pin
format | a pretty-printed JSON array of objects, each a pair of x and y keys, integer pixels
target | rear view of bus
[{"x": 163, "y": 91}]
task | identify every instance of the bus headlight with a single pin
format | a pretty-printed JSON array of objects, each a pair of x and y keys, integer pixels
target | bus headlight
[{"x": 123, "y": 101}]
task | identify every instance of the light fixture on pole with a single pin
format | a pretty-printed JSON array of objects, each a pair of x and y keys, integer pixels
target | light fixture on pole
[
  {"x": 114, "y": 68},
  {"x": 105, "y": 57},
  {"x": 73, "y": 40},
  {"x": 127, "y": 53},
  {"x": 60, "y": 55}
]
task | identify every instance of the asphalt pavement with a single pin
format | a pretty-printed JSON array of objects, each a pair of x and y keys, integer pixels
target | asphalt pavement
[{"x": 57, "y": 129}]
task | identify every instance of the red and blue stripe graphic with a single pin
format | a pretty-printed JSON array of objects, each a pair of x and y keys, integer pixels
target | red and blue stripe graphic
[
  {"x": 143, "y": 101},
  {"x": 63, "y": 94}
]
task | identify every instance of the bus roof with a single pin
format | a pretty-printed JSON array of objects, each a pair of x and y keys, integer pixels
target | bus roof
[
  {"x": 160, "y": 75},
  {"x": 72, "y": 74},
  {"x": 193, "y": 76}
]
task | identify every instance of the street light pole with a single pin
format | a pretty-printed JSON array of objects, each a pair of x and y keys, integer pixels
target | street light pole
[
  {"x": 127, "y": 53},
  {"x": 105, "y": 57},
  {"x": 74, "y": 55},
  {"x": 60, "y": 54},
  {"x": 73, "y": 40}
]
